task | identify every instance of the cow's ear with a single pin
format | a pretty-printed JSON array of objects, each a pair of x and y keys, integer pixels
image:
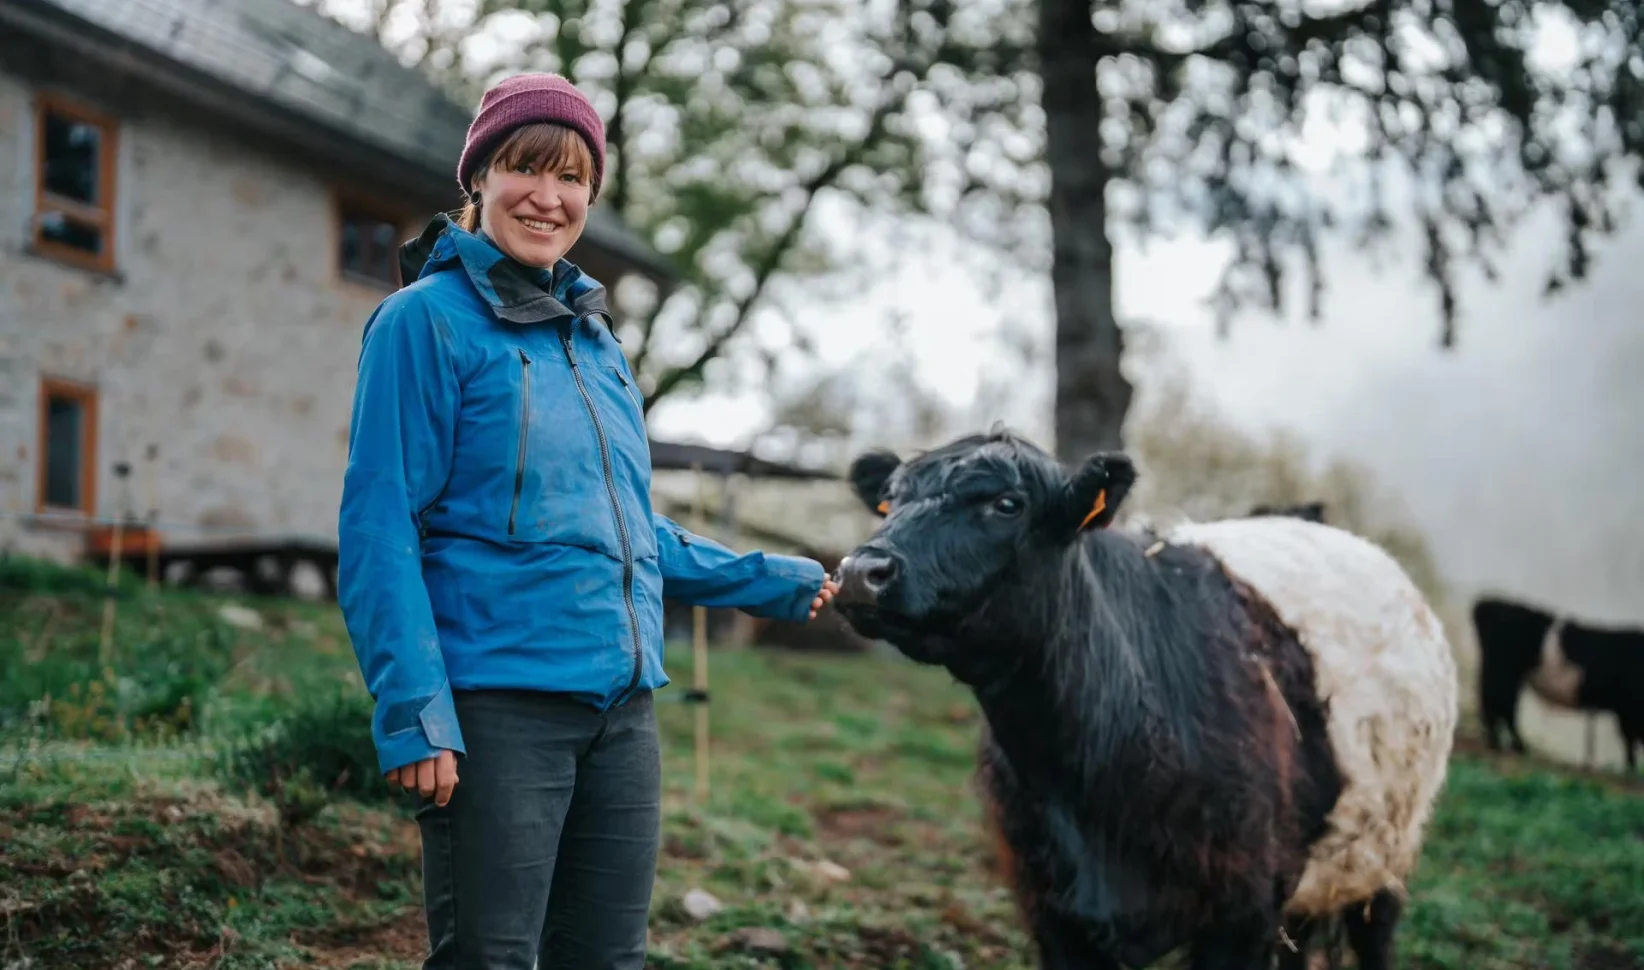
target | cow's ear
[
  {"x": 868, "y": 474},
  {"x": 1097, "y": 490}
]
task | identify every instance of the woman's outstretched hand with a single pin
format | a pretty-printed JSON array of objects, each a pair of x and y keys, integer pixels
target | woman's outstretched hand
[
  {"x": 829, "y": 587},
  {"x": 431, "y": 777}
]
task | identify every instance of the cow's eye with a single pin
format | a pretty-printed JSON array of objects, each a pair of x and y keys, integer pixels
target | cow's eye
[{"x": 1007, "y": 505}]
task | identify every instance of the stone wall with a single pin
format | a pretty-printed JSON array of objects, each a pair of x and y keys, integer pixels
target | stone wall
[{"x": 225, "y": 338}]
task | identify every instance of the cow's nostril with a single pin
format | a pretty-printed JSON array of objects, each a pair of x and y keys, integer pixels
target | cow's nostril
[{"x": 879, "y": 572}]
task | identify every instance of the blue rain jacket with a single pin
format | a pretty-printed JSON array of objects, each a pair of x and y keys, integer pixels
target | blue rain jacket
[{"x": 496, "y": 528}]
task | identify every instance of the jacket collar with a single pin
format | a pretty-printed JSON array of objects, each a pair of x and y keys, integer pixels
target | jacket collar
[{"x": 515, "y": 292}]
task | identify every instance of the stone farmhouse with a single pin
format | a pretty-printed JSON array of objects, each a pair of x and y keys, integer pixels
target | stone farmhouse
[{"x": 200, "y": 203}]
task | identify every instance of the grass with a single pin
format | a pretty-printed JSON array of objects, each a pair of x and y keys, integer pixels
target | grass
[{"x": 840, "y": 825}]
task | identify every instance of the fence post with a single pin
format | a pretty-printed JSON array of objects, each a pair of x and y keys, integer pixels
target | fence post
[
  {"x": 699, "y": 664},
  {"x": 106, "y": 642}
]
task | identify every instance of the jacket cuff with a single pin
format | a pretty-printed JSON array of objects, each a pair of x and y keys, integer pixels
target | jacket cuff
[
  {"x": 435, "y": 729},
  {"x": 805, "y": 574}
]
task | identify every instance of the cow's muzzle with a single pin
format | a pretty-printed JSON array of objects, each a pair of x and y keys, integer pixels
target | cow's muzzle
[{"x": 864, "y": 577}]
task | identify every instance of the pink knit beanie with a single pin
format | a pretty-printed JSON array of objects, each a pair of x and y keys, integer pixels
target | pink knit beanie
[{"x": 525, "y": 99}]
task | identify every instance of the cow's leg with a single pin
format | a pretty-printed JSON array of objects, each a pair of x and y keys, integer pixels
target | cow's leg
[
  {"x": 1632, "y": 736},
  {"x": 1065, "y": 945},
  {"x": 1247, "y": 944},
  {"x": 1489, "y": 721},
  {"x": 1497, "y": 701},
  {"x": 1512, "y": 723},
  {"x": 1062, "y": 953},
  {"x": 1370, "y": 929}
]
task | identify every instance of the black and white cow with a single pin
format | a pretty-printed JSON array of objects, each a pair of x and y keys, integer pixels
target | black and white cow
[
  {"x": 1311, "y": 511},
  {"x": 1200, "y": 737},
  {"x": 1567, "y": 663}
]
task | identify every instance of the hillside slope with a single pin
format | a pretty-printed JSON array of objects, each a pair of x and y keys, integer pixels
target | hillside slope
[{"x": 155, "y": 811}]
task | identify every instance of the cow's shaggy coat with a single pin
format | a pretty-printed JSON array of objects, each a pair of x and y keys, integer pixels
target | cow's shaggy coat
[
  {"x": 1191, "y": 738},
  {"x": 1381, "y": 658}
]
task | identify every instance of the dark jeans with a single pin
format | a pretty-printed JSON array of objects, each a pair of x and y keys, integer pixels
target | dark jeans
[{"x": 547, "y": 850}]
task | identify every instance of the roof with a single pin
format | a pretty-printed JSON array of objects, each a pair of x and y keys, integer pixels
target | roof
[{"x": 291, "y": 56}]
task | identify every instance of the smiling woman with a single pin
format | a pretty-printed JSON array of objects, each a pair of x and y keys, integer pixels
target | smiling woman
[{"x": 501, "y": 568}]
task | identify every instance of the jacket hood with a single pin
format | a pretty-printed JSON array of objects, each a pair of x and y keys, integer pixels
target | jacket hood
[{"x": 516, "y": 293}]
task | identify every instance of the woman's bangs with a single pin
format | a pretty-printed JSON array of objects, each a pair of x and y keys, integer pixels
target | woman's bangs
[{"x": 547, "y": 146}]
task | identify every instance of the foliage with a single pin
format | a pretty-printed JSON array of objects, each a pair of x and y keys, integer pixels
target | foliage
[
  {"x": 308, "y": 756},
  {"x": 1528, "y": 867},
  {"x": 1271, "y": 123},
  {"x": 25, "y": 574},
  {"x": 175, "y": 664},
  {"x": 1268, "y": 125},
  {"x": 734, "y": 130},
  {"x": 135, "y": 863},
  {"x": 52, "y": 674}
]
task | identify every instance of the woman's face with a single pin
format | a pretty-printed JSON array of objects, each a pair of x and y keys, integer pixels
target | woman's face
[{"x": 533, "y": 212}]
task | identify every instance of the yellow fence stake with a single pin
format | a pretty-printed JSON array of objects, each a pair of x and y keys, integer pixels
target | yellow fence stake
[
  {"x": 153, "y": 517},
  {"x": 699, "y": 666}
]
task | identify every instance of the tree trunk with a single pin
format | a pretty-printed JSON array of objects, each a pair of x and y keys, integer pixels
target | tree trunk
[{"x": 1092, "y": 394}]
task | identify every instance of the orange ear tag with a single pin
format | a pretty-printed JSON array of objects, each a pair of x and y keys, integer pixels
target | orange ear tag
[
  {"x": 884, "y": 508},
  {"x": 1101, "y": 503}
]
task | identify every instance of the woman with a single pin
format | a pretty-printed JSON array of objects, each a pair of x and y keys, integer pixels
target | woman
[{"x": 502, "y": 571}]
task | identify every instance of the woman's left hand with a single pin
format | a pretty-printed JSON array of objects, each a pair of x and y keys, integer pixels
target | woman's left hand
[{"x": 829, "y": 587}]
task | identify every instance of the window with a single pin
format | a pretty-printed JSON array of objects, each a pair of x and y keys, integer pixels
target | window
[
  {"x": 368, "y": 246},
  {"x": 74, "y": 184},
  {"x": 68, "y": 447}
]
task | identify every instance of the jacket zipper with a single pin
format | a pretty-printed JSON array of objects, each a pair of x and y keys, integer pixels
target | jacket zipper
[
  {"x": 524, "y": 431},
  {"x": 630, "y": 389},
  {"x": 616, "y": 509}
]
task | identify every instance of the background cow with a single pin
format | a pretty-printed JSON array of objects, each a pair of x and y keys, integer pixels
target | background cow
[
  {"x": 1196, "y": 738},
  {"x": 1569, "y": 664},
  {"x": 1311, "y": 511}
]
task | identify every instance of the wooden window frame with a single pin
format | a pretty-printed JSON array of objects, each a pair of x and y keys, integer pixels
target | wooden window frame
[
  {"x": 104, "y": 216},
  {"x": 347, "y": 204},
  {"x": 86, "y": 395}
]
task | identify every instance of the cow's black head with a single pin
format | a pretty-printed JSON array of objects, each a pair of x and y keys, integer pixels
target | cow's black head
[{"x": 960, "y": 522}]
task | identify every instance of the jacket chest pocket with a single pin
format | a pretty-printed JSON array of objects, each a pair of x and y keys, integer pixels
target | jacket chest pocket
[
  {"x": 632, "y": 391},
  {"x": 579, "y": 462},
  {"x": 559, "y": 487},
  {"x": 630, "y": 407},
  {"x": 629, "y": 447}
]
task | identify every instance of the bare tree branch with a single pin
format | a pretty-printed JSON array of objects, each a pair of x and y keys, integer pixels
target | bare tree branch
[{"x": 773, "y": 257}]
